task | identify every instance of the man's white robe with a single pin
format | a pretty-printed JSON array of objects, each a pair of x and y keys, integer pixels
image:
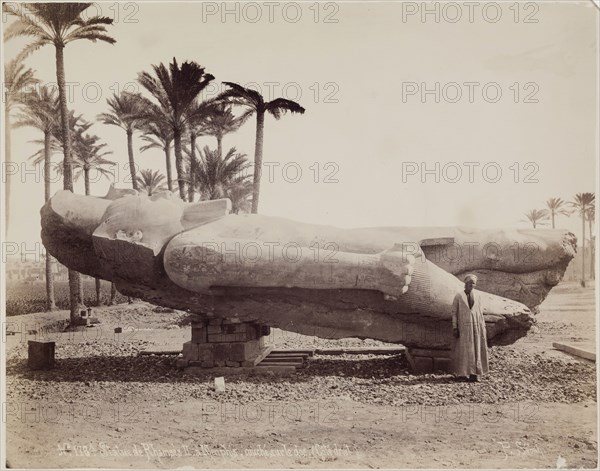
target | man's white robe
[{"x": 469, "y": 350}]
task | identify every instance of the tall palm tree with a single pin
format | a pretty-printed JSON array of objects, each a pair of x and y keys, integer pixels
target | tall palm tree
[
  {"x": 198, "y": 113},
  {"x": 590, "y": 215},
  {"x": 158, "y": 135},
  {"x": 40, "y": 112},
  {"x": 255, "y": 103},
  {"x": 17, "y": 80},
  {"x": 216, "y": 174},
  {"x": 151, "y": 181},
  {"x": 537, "y": 216},
  {"x": 220, "y": 123},
  {"x": 125, "y": 112},
  {"x": 58, "y": 24},
  {"x": 582, "y": 202},
  {"x": 176, "y": 89},
  {"x": 556, "y": 206},
  {"x": 77, "y": 126},
  {"x": 89, "y": 154}
]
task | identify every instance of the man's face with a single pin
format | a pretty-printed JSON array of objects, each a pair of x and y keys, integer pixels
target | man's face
[{"x": 469, "y": 285}]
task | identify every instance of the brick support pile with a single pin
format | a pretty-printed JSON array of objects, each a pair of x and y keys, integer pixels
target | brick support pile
[
  {"x": 225, "y": 342},
  {"x": 428, "y": 360}
]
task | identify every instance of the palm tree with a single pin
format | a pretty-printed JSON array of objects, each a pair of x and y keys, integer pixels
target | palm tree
[
  {"x": 89, "y": 154},
  {"x": 217, "y": 174},
  {"x": 17, "y": 81},
  {"x": 126, "y": 110},
  {"x": 220, "y": 123},
  {"x": 158, "y": 135},
  {"x": 198, "y": 113},
  {"x": 239, "y": 191},
  {"x": 176, "y": 90},
  {"x": 151, "y": 181},
  {"x": 58, "y": 24},
  {"x": 582, "y": 202},
  {"x": 556, "y": 206},
  {"x": 536, "y": 216},
  {"x": 255, "y": 103},
  {"x": 40, "y": 112},
  {"x": 590, "y": 215}
]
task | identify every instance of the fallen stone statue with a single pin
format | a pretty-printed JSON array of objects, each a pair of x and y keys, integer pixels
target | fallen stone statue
[{"x": 394, "y": 284}]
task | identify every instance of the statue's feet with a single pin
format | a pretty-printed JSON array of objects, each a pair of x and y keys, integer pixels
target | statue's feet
[{"x": 398, "y": 266}]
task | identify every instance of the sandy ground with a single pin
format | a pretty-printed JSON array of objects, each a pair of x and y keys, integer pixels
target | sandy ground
[{"x": 84, "y": 415}]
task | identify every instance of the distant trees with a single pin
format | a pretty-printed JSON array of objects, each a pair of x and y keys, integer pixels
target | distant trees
[
  {"x": 556, "y": 206},
  {"x": 583, "y": 204},
  {"x": 151, "y": 182},
  {"x": 537, "y": 216}
]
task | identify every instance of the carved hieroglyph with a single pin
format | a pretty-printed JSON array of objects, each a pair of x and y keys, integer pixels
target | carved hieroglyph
[{"x": 393, "y": 284}]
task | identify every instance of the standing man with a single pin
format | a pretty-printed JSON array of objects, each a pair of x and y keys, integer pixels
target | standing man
[{"x": 469, "y": 346}]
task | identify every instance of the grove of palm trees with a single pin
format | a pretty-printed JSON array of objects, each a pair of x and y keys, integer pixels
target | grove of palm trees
[
  {"x": 582, "y": 205},
  {"x": 255, "y": 235},
  {"x": 172, "y": 112}
]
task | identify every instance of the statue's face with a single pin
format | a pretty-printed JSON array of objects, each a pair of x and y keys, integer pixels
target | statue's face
[{"x": 469, "y": 285}]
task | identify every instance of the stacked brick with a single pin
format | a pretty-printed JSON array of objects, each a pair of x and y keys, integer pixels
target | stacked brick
[
  {"x": 225, "y": 342},
  {"x": 427, "y": 360}
]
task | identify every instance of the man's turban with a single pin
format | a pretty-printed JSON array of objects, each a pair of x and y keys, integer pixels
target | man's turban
[{"x": 471, "y": 277}]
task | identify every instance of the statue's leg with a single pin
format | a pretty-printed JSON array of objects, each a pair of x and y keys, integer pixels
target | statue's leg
[{"x": 202, "y": 258}]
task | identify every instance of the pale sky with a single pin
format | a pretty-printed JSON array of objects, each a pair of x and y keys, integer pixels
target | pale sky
[{"x": 359, "y": 129}]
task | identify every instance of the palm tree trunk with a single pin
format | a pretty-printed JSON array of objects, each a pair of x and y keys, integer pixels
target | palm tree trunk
[
  {"x": 192, "y": 176},
  {"x": 552, "y": 219},
  {"x": 131, "y": 161},
  {"x": 97, "y": 291},
  {"x": 583, "y": 247},
  {"x": 220, "y": 145},
  {"x": 168, "y": 162},
  {"x": 50, "y": 301},
  {"x": 76, "y": 300},
  {"x": 86, "y": 179},
  {"x": 113, "y": 293},
  {"x": 7, "y": 157},
  {"x": 258, "y": 150},
  {"x": 592, "y": 252},
  {"x": 179, "y": 163},
  {"x": 81, "y": 293}
]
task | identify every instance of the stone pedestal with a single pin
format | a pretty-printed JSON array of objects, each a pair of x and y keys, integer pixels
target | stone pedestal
[
  {"x": 40, "y": 355},
  {"x": 424, "y": 360},
  {"x": 225, "y": 343}
]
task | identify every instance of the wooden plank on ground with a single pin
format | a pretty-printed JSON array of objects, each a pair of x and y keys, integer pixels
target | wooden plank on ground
[
  {"x": 573, "y": 350},
  {"x": 361, "y": 351},
  {"x": 159, "y": 351}
]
